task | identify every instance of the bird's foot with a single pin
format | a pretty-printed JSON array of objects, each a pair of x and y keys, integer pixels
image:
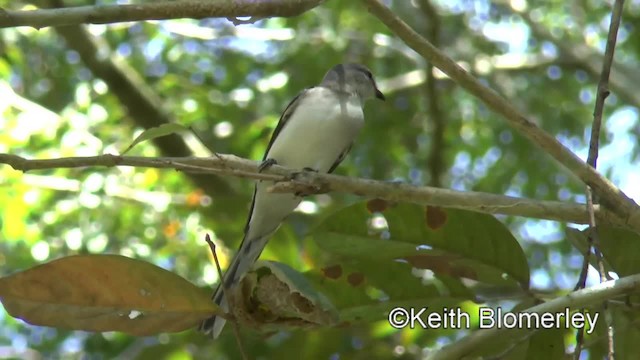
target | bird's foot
[{"x": 307, "y": 184}]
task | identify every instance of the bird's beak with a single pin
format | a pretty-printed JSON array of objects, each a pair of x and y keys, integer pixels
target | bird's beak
[{"x": 380, "y": 95}]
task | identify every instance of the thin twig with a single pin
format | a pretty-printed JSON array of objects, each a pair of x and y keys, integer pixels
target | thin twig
[
  {"x": 225, "y": 164},
  {"x": 603, "y": 84},
  {"x": 609, "y": 194},
  {"x": 592, "y": 160},
  {"x": 579, "y": 341},
  {"x": 234, "y": 323},
  {"x": 592, "y": 238},
  {"x": 593, "y": 243}
]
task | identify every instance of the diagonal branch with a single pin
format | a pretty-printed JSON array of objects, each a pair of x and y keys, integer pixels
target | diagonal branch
[
  {"x": 103, "y": 14},
  {"x": 610, "y": 195},
  {"x": 578, "y": 299},
  {"x": 231, "y": 165}
]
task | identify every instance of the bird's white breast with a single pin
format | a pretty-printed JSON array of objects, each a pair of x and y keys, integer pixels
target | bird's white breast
[{"x": 321, "y": 127}]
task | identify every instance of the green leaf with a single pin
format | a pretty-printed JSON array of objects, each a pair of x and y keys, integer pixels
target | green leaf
[
  {"x": 620, "y": 248},
  {"x": 365, "y": 290},
  {"x": 546, "y": 344},
  {"x": 627, "y": 333},
  {"x": 450, "y": 242},
  {"x": 580, "y": 241},
  {"x": 156, "y": 132}
]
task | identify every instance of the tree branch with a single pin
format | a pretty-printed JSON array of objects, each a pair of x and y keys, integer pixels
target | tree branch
[
  {"x": 578, "y": 299},
  {"x": 437, "y": 116},
  {"x": 232, "y": 165},
  {"x": 594, "y": 146},
  {"x": 103, "y": 14},
  {"x": 603, "y": 83},
  {"x": 610, "y": 195}
]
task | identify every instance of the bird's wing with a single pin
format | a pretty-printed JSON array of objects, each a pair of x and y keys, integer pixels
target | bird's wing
[
  {"x": 284, "y": 119},
  {"x": 343, "y": 154}
]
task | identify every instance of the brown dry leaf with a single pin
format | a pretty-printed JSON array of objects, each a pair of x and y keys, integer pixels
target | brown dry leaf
[
  {"x": 273, "y": 297},
  {"x": 105, "y": 293}
]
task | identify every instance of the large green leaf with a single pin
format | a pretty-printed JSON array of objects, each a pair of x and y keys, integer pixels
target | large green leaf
[
  {"x": 620, "y": 247},
  {"x": 450, "y": 242},
  {"x": 367, "y": 290}
]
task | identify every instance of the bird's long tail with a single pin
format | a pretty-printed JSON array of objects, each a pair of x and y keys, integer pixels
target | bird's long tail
[
  {"x": 268, "y": 210},
  {"x": 249, "y": 251}
]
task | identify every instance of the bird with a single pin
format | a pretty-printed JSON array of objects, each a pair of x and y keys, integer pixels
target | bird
[{"x": 315, "y": 132}]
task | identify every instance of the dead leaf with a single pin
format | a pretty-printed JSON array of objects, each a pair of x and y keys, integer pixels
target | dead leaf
[{"x": 105, "y": 293}]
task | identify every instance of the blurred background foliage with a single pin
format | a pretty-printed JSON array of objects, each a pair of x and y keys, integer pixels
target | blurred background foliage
[{"x": 87, "y": 91}]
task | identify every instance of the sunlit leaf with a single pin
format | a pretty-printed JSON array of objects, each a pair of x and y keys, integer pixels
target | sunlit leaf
[
  {"x": 156, "y": 132},
  {"x": 105, "y": 293}
]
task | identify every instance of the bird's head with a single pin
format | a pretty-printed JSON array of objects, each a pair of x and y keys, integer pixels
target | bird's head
[{"x": 353, "y": 78}]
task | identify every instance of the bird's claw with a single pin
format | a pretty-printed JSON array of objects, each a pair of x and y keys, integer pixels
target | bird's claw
[
  {"x": 301, "y": 176},
  {"x": 303, "y": 179}
]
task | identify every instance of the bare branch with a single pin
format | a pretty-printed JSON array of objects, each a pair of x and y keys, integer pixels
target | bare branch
[
  {"x": 225, "y": 291},
  {"x": 594, "y": 143},
  {"x": 232, "y": 165},
  {"x": 578, "y": 299},
  {"x": 610, "y": 195},
  {"x": 103, "y": 14},
  {"x": 592, "y": 160},
  {"x": 603, "y": 84}
]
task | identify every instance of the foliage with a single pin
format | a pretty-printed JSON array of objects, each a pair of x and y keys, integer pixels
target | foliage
[{"x": 229, "y": 84}]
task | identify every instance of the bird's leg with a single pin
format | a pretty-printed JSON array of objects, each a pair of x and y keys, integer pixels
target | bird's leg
[{"x": 311, "y": 186}]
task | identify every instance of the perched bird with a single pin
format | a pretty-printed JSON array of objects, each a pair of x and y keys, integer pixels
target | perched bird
[{"x": 315, "y": 132}]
